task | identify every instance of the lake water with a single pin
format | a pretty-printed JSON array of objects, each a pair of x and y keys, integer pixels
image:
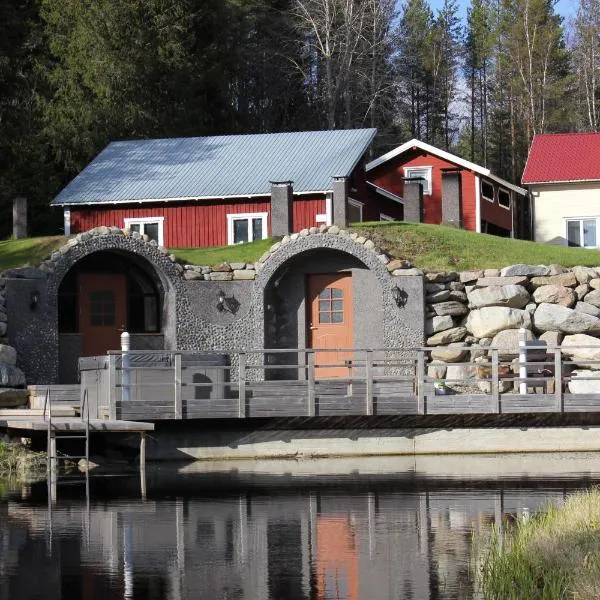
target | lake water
[{"x": 369, "y": 528}]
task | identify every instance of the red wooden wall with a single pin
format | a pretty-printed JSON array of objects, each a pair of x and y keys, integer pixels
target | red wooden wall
[{"x": 194, "y": 224}]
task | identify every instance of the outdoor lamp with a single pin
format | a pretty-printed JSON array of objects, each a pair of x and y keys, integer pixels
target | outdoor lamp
[
  {"x": 400, "y": 296},
  {"x": 221, "y": 301}
]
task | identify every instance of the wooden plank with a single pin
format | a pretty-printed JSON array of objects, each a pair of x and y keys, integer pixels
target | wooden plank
[
  {"x": 310, "y": 382},
  {"x": 369, "y": 382},
  {"x": 177, "y": 386},
  {"x": 421, "y": 382},
  {"x": 242, "y": 385},
  {"x": 112, "y": 387}
]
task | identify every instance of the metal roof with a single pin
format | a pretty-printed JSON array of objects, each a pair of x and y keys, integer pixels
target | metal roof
[{"x": 216, "y": 167}]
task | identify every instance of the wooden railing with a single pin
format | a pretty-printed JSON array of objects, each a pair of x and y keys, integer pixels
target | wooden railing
[{"x": 294, "y": 382}]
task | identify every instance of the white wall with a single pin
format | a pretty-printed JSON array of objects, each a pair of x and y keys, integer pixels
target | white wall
[{"x": 554, "y": 203}]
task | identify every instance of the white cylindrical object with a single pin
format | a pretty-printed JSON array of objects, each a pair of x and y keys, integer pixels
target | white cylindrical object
[
  {"x": 522, "y": 361},
  {"x": 125, "y": 346}
]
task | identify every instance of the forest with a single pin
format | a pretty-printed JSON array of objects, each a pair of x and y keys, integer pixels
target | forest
[{"x": 76, "y": 74}]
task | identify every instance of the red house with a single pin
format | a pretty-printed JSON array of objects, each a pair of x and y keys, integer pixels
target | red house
[
  {"x": 213, "y": 191},
  {"x": 455, "y": 191}
]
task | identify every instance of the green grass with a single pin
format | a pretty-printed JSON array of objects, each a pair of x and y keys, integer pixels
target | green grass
[
  {"x": 28, "y": 251},
  {"x": 553, "y": 555},
  {"x": 248, "y": 253},
  {"x": 16, "y": 460}
]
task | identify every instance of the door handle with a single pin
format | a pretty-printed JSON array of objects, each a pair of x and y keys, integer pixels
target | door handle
[{"x": 312, "y": 327}]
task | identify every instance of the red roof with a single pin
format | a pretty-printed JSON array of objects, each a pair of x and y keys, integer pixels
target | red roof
[{"x": 555, "y": 157}]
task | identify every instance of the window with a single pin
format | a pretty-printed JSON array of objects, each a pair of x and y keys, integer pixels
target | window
[
  {"x": 487, "y": 191},
  {"x": 355, "y": 210},
  {"x": 423, "y": 173},
  {"x": 581, "y": 232},
  {"x": 246, "y": 227},
  {"x": 102, "y": 308},
  {"x": 150, "y": 226},
  {"x": 331, "y": 306},
  {"x": 503, "y": 198}
]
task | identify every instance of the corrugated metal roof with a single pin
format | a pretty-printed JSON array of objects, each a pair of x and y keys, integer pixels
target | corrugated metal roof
[
  {"x": 215, "y": 167},
  {"x": 557, "y": 157}
]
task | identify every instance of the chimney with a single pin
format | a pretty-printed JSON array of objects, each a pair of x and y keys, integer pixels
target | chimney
[
  {"x": 340, "y": 201},
  {"x": 282, "y": 197},
  {"x": 19, "y": 218}
]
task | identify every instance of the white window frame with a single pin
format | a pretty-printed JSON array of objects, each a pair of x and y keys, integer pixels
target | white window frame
[
  {"x": 357, "y": 204},
  {"x": 141, "y": 221},
  {"x": 581, "y": 220},
  {"x": 501, "y": 189},
  {"x": 493, "y": 191},
  {"x": 409, "y": 173},
  {"x": 384, "y": 217},
  {"x": 248, "y": 216}
]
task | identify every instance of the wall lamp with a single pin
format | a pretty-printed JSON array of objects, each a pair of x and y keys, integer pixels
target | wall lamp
[
  {"x": 400, "y": 296},
  {"x": 34, "y": 298},
  {"x": 221, "y": 301},
  {"x": 230, "y": 304}
]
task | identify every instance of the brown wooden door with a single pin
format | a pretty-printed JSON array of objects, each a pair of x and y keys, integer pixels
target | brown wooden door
[
  {"x": 330, "y": 322},
  {"x": 102, "y": 311}
]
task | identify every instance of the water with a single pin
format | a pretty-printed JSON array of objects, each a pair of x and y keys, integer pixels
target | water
[{"x": 369, "y": 529}]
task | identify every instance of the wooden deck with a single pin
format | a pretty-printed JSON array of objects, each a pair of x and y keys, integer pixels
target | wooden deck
[
  {"x": 153, "y": 386},
  {"x": 62, "y": 424}
]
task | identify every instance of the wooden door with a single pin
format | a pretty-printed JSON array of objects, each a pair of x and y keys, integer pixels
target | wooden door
[
  {"x": 102, "y": 311},
  {"x": 330, "y": 322}
]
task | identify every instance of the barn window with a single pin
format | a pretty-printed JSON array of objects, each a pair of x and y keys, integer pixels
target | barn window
[
  {"x": 503, "y": 198},
  {"x": 247, "y": 227},
  {"x": 423, "y": 173},
  {"x": 150, "y": 226},
  {"x": 487, "y": 191}
]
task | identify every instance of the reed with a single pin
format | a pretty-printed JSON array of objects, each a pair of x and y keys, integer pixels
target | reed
[
  {"x": 17, "y": 460},
  {"x": 554, "y": 554}
]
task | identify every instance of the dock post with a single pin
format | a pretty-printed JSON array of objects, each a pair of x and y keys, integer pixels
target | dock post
[
  {"x": 125, "y": 346},
  {"x": 369, "y": 382},
  {"x": 522, "y": 361},
  {"x": 143, "y": 464}
]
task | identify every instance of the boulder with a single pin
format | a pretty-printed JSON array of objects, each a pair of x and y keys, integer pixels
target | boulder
[
  {"x": 436, "y": 369},
  {"x": 558, "y": 269},
  {"x": 585, "y": 274},
  {"x": 490, "y": 320},
  {"x": 11, "y": 376},
  {"x": 11, "y": 398},
  {"x": 503, "y": 386},
  {"x": 486, "y": 281},
  {"x": 460, "y": 374},
  {"x": 588, "y": 308},
  {"x": 437, "y": 297},
  {"x": 525, "y": 271},
  {"x": 514, "y": 296},
  {"x": 552, "y": 338},
  {"x": 458, "y": 295},
  {"x": 589, "y": 350},
  {"x": 507, "y": 342},
  {"x": 594, "y": 284},
  {"x": 452, "y": 353},
  {"x": 491, "y": 273},
  {"x": 468, "y": 276},
  {"x": 3, "y": 329},
  {"x": 581, "y": 290},
  {"x": 434, "y": 288},
  {"x": 584, "y": 381},
  {"x": 553, "y": 317},
  {"x": 456, "y": 286},
  {"x": 593, "y": 297},
  {"x": 451, "y": 308},
  {"x": 564, "y": 279},
  {"x": 190, "y": 275},
  {"x": 437, "y": 324},
  {"x": 555, "y": 294},
  {"x": 8, "y": 355},
  {"x": 456, "y": 334}
]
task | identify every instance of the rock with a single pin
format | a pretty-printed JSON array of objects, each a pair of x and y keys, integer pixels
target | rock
[
  {"x": 458, "y": 296},
  {"x": 456, "y": 286},
  {"x": 525, "y": 270},
  {"x": 408, "y": 272},
  {"x": 553, "y": 317},
  {"x": 11, "y": 376},
  {"x": 552, "y": 338},
  {"x": 530, "y": 308},
  {"x": 434, "y": 288},
  {"x": 584, "y": 381},
  {"x": 470, "y": 339},
  {"x": 191, "y": 275},
  {"x": 477, "y": 351},
  {"x": 507, "y": 342},
  {"x": 3, "y": 329},
  {"x": 219, "y": 276},
  {"x": 588, "y": 308},
  {"x": 581, "y": 290},
  {"x": 435, "y": 277},
  {"x": 454, "y": 352},
  {"x": 451, "y": 308},
  {"x": 490, "y": 320},
  {"x": 468, "y": 276},
  {"x": 437, "y": 324},
  {"x": 398, "y": 263},
  {"x": 460, "y": 374},
  {"x": 558, "y": 270},
  {"x": 555, "y": 294},
  {"x": 237, "y": 266},
  {"x": 11, "y": 398},
  {"x": 591, "y": 352},
  {"x": 501, "y": 281},
  {"x": 8, "y": 355},
  {"x": 584, "y": 274},
  {"x": 436, "y": 369},
  {"x": 456, "y": 334},
  {"x": 565, "y": 279},
  {"x": 594, "y": 284},
  {"x": 593, "y": 297},
  {"x": 86, "y": 465},
  {"x": 437, "y": 297},
  {"x": 222, "y": 268},
  {"x": 244, "y": 274},
  {"x": 513, "y": 296},
  {"x": 491, "y": 273},
  {"x": 503, "y": 386}
]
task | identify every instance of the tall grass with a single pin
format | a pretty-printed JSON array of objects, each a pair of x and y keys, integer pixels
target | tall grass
[
  {"x": 553, "y": 555},
  {"x": 18, "y": 461}
]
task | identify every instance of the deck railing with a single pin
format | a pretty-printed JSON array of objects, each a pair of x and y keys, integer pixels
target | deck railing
[{"x": 154, "y": 385}]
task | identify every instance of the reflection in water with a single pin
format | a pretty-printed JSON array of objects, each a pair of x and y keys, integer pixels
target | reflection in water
[{"x": 326, "y": 530}]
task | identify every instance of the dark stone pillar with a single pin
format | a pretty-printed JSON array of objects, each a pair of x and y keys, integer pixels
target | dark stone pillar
[
  {"x": 451, "y": 199},
  {"x": 282, "y": 197},
  {"x": 19, "y": 218},
  {"x": 413, "y": 201},
  {"x": 340, "y": 201}
]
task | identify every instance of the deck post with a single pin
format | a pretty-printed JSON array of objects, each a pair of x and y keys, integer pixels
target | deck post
[
  {"x": 558, "y": 380},
  {"x": 177, "y": 388},
  {"x": 420, "y": 366},
  {"x": 310, "y": 382},
  {"x": 242, "y": 386},
  {"x": 143, "y": 464},
  {"x": 369, "y": 382},
  {"x": 495, "y": 382},
  {"x": 112, "y": 387}
]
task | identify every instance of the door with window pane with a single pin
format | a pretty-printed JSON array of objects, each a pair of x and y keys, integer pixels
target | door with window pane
[
  {"x": 102, "y": 311},
  {"x": 330, "y": 323}
]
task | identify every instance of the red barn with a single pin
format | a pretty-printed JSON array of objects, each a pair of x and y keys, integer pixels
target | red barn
[
  {"x": 455, "y": 191},
  {"x": 213, "y": 191}
]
